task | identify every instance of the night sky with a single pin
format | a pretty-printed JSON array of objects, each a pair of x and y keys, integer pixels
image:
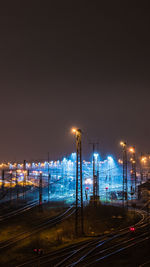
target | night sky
[{"x": 73, "y": 63}]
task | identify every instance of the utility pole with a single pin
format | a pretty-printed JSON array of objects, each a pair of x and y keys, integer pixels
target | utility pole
[
  {"x": 48, "y": 179},
  {"x": 10, "y": 185},
  {"x": 81, "y": 189},
  {"x": 79, "y": 185},
  {"x": 24, "y": 164},
  {"x": 3, "y": 180},
  {"x": 17, "y": 191},
  {"x": 133, "y": 171},
  {"x": 24, "y": 182},
  {"x": 141, "y": 168},
  {"x": 97, "y": 185},
  {"x": 24, "y": 177},
  {"x": 125, "y": 180},
  {"x": 40, "y": 189},
  {"x": 95, "y": 178},
  {"x": 77, "y": 182}
]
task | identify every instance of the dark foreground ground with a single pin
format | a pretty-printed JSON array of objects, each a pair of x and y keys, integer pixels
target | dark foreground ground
[
  {"x": 97, "y": 221},
  {"x": 133, "y": 257}
]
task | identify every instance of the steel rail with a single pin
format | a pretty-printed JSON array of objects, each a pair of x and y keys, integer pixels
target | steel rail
[
  {"x": 36, "y": 229},
  {"x": 70, "y": 252}
]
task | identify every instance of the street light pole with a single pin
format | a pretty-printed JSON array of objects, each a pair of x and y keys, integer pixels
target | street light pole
[
  {"x": 142, "y": 160},
  {"x": 81, "y": 188},
  {"x": 133, "y": 170},
  {"x": 79, "y": 184},
  {"x": 10, "y": 185},
  {"x": 3, "y": 180},
  {"x": 48, "y": 179},
  {"x": 17, "y": 189},
  {"x": 94, "y": 178},
  {"x": 95, "y": 197},
  {"x": 106, "y": 194},
  {"x": 40, "y": 189},
  {"x": 125, "y": 181},
  {"x": 24, "y": 178},
  {"x": 77, "y": 174}
]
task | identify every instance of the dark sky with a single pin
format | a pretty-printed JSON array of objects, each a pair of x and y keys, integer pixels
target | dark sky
[{"x": 73, "y": 63}]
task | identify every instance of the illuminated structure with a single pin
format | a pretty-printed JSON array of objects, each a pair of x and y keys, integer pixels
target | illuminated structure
[
  {"x": 63, "y": 179},
  {"x": 95, "y": 196}
]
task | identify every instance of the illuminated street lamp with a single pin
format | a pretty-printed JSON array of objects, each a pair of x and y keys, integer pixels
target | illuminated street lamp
[
  {"x": 132, "y": 150},
  {"x": 120, "y": 161},
  {"x": 74, "y": 130},
  {"x": 143, "y": 159},
  {"x": 123, "y": 144},
  {"x": 78, "y": 134}
]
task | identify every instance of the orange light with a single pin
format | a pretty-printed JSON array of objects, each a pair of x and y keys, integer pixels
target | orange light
[
  {"x": 143, "y": 159},
  {"x": 131, "y": 150},
  {"x": 122, "y": 143},
  {"x": 74, "y": 130}
]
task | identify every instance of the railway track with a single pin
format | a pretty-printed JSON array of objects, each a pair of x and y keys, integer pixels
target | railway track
[
  {"x": 41, "y": 226},
  {"x": 115, "y": 249},
  {"x": 98, "y": 248},
  {"x": 18, "y": 211}
]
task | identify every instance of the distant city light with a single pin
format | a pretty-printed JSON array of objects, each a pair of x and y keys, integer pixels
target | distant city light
[{"x": 63, "y": 176}]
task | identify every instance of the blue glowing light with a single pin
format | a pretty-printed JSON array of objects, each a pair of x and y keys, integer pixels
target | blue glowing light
[
  {"x": 96, "y": 155},
  {"x": 110, "y": 158},
  {"x": 73, "y": 156},
  {"x": 63, "y": 176}
]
